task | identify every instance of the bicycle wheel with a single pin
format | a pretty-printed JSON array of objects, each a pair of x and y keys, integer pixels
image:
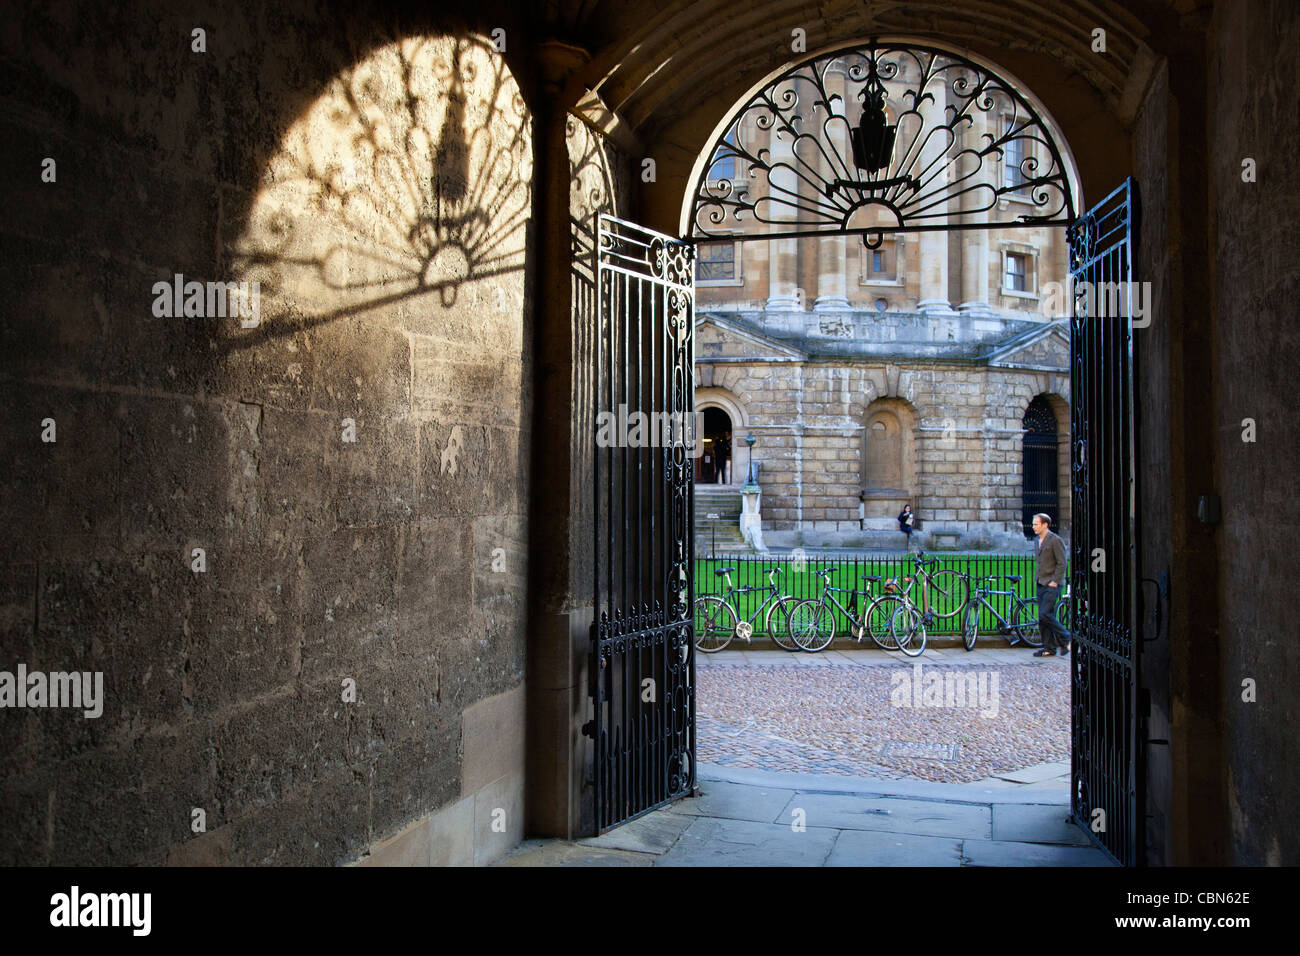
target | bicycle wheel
[
  {"x": 812, "y": 625},
  {"x": 908, "y": 627},
  {"x": 778, "y": 623},
  {"x": 878, "y": 618},
  {"x": 970, "y": 628},
  {"x": 1024, "y": 622},
  {"x": 715, "y": 624},
  {"x": 949, "y": 593},
  {"x": 1063, "y": 611}
]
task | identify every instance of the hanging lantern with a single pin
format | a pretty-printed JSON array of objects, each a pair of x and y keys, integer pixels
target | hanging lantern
[{"x": 873, "y": 138}]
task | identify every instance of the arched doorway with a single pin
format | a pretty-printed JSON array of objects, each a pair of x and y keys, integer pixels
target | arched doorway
[
  {"x": 824, "y": 160},
  {"x": 1039, "y": 466},
  {"x": 714, "y": 467}
]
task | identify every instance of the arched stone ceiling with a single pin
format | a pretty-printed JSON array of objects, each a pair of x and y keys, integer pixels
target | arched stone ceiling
[
  {"x": 671, "y": 70},
  {"x": 651, "y": 57}
]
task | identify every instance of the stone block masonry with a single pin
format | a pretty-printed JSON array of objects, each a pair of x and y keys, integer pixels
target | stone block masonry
[{"x": 297, "y": 552}]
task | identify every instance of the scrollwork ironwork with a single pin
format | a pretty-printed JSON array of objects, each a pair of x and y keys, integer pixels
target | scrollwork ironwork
[{"x": 789, "y": 162}]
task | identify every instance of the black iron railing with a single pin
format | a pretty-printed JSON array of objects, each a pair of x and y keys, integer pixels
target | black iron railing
[{"x": 800, "y": 579}]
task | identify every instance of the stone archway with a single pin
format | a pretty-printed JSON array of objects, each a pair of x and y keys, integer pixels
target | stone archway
[{"x": 1140, "y": 110}]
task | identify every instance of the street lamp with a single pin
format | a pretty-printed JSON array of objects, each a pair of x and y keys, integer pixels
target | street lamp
[{"x": 750, "y": 479}]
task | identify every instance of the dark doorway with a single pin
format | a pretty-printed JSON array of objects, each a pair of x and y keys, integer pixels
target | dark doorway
[
  {"x": 1039, "y": 464},
  {"x": 714, "y": 466}
]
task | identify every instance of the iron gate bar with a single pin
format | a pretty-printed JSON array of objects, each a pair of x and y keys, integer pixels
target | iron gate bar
[
  {"x": 644, "y": 747},
  {"x": 1107, "y": 762},
  {"x": 1022, "y": 223}
]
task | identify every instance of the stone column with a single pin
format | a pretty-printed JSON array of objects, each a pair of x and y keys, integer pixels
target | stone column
[
  {"x": 832, "y": 275},
  {"x": 782, "y": 254},
  {"x": 934, "y": 245},
  {"x": 975, "y": 242},
  {"x": 832, "y": 270}
]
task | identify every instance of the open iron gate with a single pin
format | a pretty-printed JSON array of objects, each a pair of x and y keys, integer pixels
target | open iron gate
[
  {"x": 1106, "y": 770},
  {"x": 643, "y": 663}
]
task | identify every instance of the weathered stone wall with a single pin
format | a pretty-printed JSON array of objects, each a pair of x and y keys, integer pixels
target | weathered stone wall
[
  {"x": 380, "y": 193},
  {"x": 1256, "y": 349}
]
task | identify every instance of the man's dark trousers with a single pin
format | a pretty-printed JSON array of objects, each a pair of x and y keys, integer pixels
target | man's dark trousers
[{"x": 1048, "y": 625}]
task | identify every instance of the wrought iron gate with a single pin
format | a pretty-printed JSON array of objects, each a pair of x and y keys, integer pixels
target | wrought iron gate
[
  {"x": 1106, "y": 772},
  {"x": 643, "y": 664}
]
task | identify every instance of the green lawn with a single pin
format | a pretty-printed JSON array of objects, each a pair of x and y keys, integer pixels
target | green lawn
[{"x": 803, "y": 582}]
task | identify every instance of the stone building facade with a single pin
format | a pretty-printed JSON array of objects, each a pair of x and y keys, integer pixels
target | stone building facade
[
  {"x": 843, "y": 441},
  {"x": 897, "y": 371},
  {"x": 857, "y": 412}
]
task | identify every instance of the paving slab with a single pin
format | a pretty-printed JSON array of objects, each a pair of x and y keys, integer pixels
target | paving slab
[
  {"x": 813, "y": 659},
  {"x": 878, "y": 787},
  {"x": 876, "y": 848},
  {"x": 653, "y": 833},
  {"x": 560, "y": 853},
  {"x": 1022, "y": 823},
  {"x": 709, "y": 841},
  {"x": 1003, "y": 853},
  {"x": 847, "y": 658},
  {"x": 845, "y": 811},
  {"x": 1037, "y": 773},
  {"x": 734, "y": 800}
]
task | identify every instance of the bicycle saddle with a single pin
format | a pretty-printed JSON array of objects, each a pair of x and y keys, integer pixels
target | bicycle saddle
[
  {"x": 870, "y": 577},
  {"x": 770, "y": 570},
  {"x": 721, "y": 571},
  {"x": 1012, "y": 577}
]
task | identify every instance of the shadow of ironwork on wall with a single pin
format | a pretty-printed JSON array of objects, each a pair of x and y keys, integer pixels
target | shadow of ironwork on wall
[{"x": 409, "y": 177}]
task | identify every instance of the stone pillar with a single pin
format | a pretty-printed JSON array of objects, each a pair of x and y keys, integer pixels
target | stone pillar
[
  {"x": 558, "y": 799},
  {"x": 782, "y": 254},
  {"x": 832, "y": 275},
  {"x": 832, "y": 270},
  {"x": 751, "y": 518},
  {"x": 975, "y": 242},
  {"x": 934, "y": 245}
]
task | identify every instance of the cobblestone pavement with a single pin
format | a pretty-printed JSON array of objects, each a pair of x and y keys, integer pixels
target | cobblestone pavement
[{"x": 874, "y": 714}]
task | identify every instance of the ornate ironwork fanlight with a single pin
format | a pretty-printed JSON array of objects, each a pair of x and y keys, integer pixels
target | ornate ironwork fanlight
[{"x": 965, "y": 150}]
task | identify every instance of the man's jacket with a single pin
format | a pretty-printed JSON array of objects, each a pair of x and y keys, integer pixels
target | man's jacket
[{"x": 1051, "y": 559}]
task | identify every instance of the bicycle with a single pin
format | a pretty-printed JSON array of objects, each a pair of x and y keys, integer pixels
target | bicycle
[
  {"x": 717, "y": 620},
  {"x": 952, "y": 591},
  {"x": 812, "y": 623},
  {"x": 1021, "y": 622}
]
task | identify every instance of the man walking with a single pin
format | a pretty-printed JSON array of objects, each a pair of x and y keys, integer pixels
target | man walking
[{"x": 1050, "y": 550}]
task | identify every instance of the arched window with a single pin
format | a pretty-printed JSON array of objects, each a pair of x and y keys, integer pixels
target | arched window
[{"x": 1039, "y": 467}]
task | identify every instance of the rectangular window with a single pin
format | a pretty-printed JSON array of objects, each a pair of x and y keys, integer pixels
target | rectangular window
[
  {"x": 880, "y": 265},
  {"x": 1013, "y": 154},
  {"x": 716, "y": 260},
  {"x": 1015, "y": 279},
  {"x": 724, "y": 166}
]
